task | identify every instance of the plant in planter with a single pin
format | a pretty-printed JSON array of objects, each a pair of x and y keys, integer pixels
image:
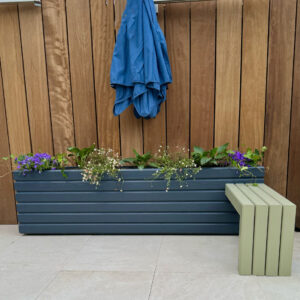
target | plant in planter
[
  {"x": 141, "y": 161},
  {"x": 100, "y": 163},
  {"x": 79, "y": 156},
  {"x": 177, "y": 166},
  {"x": 243, "y": 161},
  {"x": 216, "y": 156},
  {"x": 39, "y": 162}
]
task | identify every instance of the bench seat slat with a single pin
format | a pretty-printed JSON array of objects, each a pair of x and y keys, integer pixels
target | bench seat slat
[
  {"x": 287, "y": 230},
  {"x": 245, "y": 208},
  {"x": 260, "y": 229},
  {"x": 274, "y": 231}
]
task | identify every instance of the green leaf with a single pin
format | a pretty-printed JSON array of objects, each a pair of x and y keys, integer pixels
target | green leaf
[
  {"x": 222, "y": 148},
  {"x": 213, "y": 152},
  {"x": 214, "y": 162},
  {"x": 128, "y": 160},
  {"x": 73, "y": 149},
  {"x": 220, "y": 156},
  {"x": 154, "y": 165},
  {"x": 198, "y": 150},
  {"x": 205, "y": 160},
  {"x": 141, "y": 167},
  {"x": 147, "y": 156},
  {"x": 135, "y": 152}
]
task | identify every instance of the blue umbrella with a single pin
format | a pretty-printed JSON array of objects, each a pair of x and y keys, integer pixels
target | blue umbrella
[{"x": 140, "y": 69}]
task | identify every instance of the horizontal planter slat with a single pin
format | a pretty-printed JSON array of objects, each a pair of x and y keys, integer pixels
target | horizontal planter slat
[
  {"x": 218, "y": 206},
  {"x": 47, "y": 203},
  {"x": 182, "y": 217},
  {"x": 67, "y": 186},
  {"x": 96, "y": 196},
  {"x": 138, "y": 228},
  {"x": 133, "y": 174}
]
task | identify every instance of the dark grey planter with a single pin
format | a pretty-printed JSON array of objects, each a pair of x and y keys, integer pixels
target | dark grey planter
[{"x": 48, "y": 203}]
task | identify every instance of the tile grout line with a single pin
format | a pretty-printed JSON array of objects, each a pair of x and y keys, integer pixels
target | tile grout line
[
  {"x": 155, "y": 270},
  {"x": 47, "y": 285},
  {"x": 57, "y": 273},
  {"x": 79, "y": 250}
]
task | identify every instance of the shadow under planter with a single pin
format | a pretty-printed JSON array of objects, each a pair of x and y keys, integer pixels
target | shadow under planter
[{"x": 49, "y": 203}]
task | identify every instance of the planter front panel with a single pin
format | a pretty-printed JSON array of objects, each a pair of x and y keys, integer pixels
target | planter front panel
[{"x": 48, "y": 203}]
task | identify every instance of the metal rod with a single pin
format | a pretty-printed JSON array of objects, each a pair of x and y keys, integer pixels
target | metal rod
[
  {"x": 177, "y": 1},
  {"x": 35, "y": 2}
]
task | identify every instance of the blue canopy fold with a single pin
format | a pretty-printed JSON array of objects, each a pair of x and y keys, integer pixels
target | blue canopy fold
[{"x": 140, "y": 69}]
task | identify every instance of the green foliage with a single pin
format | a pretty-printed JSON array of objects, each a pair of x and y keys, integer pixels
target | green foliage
[
  {"x": 214, "y": 157},
  {"x": 255, "y": 157},
  {"x": 140, "y": 160},
  {"x": 79, "y": 156},
  {"x": 100, "y": 163},
  {"x": 242, "y": 161},
  {"x": 177, "y": 166}
]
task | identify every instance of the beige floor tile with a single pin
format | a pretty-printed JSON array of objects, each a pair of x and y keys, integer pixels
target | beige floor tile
[
  {"x": 201, "y": 254},
  {"x": 82, "y": 285},
  {"x": 11, "y": 230},
  {"x": 24, "y": 282},
  {"x": 117, "y": 253},
  {"x": 43, "y": 250},
  {"x": 280, "y": 288},
  {"x": 198, "y": 286}
]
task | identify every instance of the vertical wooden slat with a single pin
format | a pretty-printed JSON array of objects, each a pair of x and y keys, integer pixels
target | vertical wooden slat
[
  {"x": 56, "y": 43},
  {"x": 103, "y": 44},
  {"x": 281, "y": 50},
  {"x": 13, "y": 81},
  {"x": 203, "y": 19},
  {"x": 81, "y": 66},
  {"x": 155, "y": 129},
  {"x": 7, "y": 199},
  {"x": 131, "y": 128},
  {"x": 254, "y": 70},
  {"x": 228, "y": 71},
  {"x": 119, "y": 7},
  {"x": 293, "y": 191},
  {"x": 178, "y": 106},
  {"x": 36, "y": 78}
]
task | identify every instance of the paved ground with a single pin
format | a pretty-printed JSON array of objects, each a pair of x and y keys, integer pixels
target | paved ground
[{"x": 132, "y": 268}]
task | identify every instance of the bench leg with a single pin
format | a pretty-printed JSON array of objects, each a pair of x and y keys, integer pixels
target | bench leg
[
  {"x": 260, "y": 240},
  {"x": 287, "y": 240},
  {"x": 246, "y": 240}
]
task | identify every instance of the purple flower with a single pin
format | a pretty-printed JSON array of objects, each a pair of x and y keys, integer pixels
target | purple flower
[{"x": 240, "y": 159}]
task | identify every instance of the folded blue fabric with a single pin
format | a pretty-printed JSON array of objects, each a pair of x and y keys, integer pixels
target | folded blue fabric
[{"x": 140, "y": 69}]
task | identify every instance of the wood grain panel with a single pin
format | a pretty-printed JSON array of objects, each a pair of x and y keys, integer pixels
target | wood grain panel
[
  {"x": 36, "y": 78},
  {"x": 131, "y": 129},
  {"x": 81, "y": 66},
  {"x": 203, "y": 19},
  {"x": 103, "y": 44},
  {"x": 155, "y": 129},
  {"x": 178, "y": 106},
  {"x": 7, "y": 200},
  {"x": 228, "y": 72},
  {"x": 281, "y": 51},
  {"x": 119, "y": 7},
  {"x": 254, "y": 70},
  {"x": 293, "y": 191},
  {"x": 56, "y": 44},
  {"x": 13, "y": 81}
]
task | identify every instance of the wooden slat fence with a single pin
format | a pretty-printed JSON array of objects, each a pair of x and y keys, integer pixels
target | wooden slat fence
[{"x": 236, "y": 72}]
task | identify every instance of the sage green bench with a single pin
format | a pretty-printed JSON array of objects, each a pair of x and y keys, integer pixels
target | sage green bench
[{"x": 267, "y": 224}]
